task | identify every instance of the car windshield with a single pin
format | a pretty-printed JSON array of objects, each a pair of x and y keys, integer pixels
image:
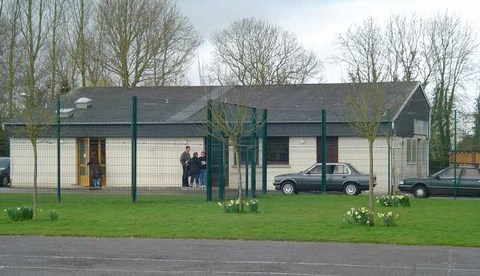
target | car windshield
[{"x": 4, "y": 162}]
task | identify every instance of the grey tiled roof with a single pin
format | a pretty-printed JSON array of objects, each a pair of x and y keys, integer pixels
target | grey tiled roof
[{"x": 285, "y": 103}]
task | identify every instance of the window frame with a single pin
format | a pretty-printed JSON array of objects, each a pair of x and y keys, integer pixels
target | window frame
[
  {"x": 411, "y": 152},
  {"x": 280, "y": 147}
]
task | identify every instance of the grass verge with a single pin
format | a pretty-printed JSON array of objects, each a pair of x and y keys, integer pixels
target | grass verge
[{"x": 305, "y": 217}]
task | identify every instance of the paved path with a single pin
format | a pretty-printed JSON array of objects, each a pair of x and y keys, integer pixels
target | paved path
[{"x": 116, "y": 256}]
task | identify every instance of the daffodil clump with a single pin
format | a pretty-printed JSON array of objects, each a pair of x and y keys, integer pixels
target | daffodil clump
[
  {"x": 359, "y": 216},
  {"x": 20, "y": 213},
  {"x": 233, "y": 205},
  {"x": 388, "y": 219},
  {"x": 394, "y": 200}
]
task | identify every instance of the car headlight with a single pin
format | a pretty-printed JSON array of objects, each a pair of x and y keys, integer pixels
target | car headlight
[{"x": 401, "y": 182}]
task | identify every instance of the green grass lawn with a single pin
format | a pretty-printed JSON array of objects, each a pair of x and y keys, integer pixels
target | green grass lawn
[{"x": 304, "y": 217}]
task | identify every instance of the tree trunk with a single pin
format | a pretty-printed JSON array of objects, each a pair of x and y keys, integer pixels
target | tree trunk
[
  {"x": 371, "y": 201},
  {"x": 239, "y": 171},
  {"x": 35, "y": 173}
]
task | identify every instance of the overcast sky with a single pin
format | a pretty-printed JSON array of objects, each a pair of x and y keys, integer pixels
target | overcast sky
[{"x": 315, "y": 22}]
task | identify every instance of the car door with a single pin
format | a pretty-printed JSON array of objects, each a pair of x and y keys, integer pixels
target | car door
[
  {"x": 442, "y": 183},
  {"x": 336, "y": 175},
  {"x": 469, "y": 182},
  {"x": 312, "y": 179}
]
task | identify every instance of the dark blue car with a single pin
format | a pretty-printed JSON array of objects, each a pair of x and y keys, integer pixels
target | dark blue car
[
  {"x": 5, "y": 171},
  {"x": 466, "y": 180}
]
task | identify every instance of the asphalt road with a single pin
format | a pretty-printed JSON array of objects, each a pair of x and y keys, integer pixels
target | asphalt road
[{"x": 116, "y": 256}]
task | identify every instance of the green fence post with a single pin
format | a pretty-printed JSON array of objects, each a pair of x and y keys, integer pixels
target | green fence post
[
  {"x": 455, "y": 155},
  {"x": 209, "y": 150},
  {"x": 59, "y": 175},
  {"x": 134, "y": 148},
  {"x": 221, "y": 180},
  {"x": 389, "y": 154},
  {"x": 264, "y": 152},
  {"x": 246, "y": 171},
  {"x": 254, "y": 155},
  {"x": 324, "y": 151}
]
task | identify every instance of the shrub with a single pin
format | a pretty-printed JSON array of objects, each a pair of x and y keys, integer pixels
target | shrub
[
  {"x": 357, "y": 216},
  {"x": 394, "y": 201},
  {"x": 53, "y": 215},
  {"x": 20, "y": 213},
  {"x": 388, "y": 219},
  {"x": 233, "y": 205}
]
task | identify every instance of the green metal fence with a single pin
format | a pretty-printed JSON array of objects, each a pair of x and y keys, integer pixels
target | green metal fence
[{"x": 139, "y": 159}]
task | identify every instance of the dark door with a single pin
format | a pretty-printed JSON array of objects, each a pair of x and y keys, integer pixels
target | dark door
[
  {"x": 332, "y": 149},
  {"x": 337, "y": 177},
  {"x": 443, "y": 182},
  {"x": 312, "y": 179}
]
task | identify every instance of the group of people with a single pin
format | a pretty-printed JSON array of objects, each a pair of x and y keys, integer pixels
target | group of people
[{"x": 194, "y": 167}]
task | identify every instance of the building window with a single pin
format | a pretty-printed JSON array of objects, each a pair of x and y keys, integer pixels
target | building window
[
  {"x": 424, "y": 151},
  {"x": 277, "y": 150},
  {"x": 411, "y": 151}
]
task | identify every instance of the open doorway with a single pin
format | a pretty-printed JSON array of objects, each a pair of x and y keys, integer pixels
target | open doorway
[{"x": 86, "y": 149}]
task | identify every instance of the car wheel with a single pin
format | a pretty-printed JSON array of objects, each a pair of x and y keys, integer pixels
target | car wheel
[
  {"x": 288, "y": 188},
  {"x": 420, "y": 191},
  {"x": 351, "y": 189}
]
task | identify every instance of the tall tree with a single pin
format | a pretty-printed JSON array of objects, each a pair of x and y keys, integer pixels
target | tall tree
[
  {"x": 407, "y": 54},
  {"x": 452, "y": 45},
  {"x": 253, "y": 52},
  {"x": 56, "y": 18},
  {"x": 12, "y": 62},
  {"x": 363, "y": 49},
  {"x": 140, "y": 35},
  {"x": 178, "y": 43},
  {"x": 34, "y": 36}
]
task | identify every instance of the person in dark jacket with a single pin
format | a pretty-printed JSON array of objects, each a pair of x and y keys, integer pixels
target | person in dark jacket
[
  {"x": 194, "y": 169},
  {"x": 203, "y": 169},
  {"x": 95, "y": 172},
  {"x": 185, "y": 160}
]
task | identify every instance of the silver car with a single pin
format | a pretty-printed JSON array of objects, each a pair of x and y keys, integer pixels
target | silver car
[{"x": 341, "y": 177}]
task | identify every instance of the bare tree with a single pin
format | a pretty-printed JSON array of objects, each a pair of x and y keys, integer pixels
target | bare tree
[
  {"x": 230, "y": 123},
  {"x": 367, "y": 111},
  {"x": 254, "y": 52},
  {"x": 362, "y": 49},
  {"x": 34, "y": 34},
  {"x": 56, "y": 18},
  {"x": 12, "y": 63},
  {"x": 452, "y": 45},
  {"x": 145, "y": 37},
  {"x": 80, "y": 13},
  {"x": 179, "y": 41},
  {"x": 407, "y": 54}
]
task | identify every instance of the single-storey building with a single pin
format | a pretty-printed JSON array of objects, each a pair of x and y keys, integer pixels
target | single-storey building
[{"x": 97, "y": 120}]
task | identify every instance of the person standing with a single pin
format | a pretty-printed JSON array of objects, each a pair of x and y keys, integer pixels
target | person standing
[
  {"x": 203, "y": 169},
  {"x": 194, "y": 169},
  {"x": 185, "y": 160},
  {"x": 95, "y": 173}
]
